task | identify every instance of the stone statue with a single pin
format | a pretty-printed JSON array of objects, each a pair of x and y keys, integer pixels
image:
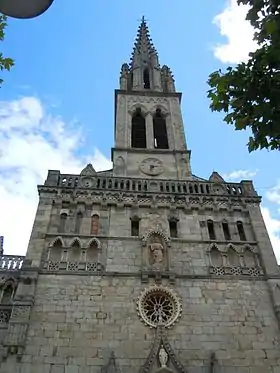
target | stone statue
[
  {"x": 163, "y": 357},
  {"x": 156, "y": 250}
]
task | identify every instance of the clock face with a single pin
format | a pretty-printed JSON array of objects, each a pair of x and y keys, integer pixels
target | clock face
[{"x": 151, "y": 166}]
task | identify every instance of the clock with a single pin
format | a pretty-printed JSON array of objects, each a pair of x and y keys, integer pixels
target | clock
[{"x": 151, "y": 166}]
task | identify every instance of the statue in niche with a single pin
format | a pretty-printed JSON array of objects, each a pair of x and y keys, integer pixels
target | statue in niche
[
  {"x": 163, "y": 357},
  {"x": 156, "y": 254}
]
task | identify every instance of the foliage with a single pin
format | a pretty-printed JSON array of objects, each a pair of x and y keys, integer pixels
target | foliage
[
  {"x": 250, "y": 92},
  {"x": 5, "y": 62}
]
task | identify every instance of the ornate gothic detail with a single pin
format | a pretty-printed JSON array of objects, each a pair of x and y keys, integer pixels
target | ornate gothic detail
[
  {"x": 88, "y": 171},
  {"x": 156, "y": 232},
  {"x": 162, "y": 357},
  {"x": 94, "y": 241},
  {"x": 20, "y": 312},
  {"x": 159, "y": 305},
  {"x": 56, "y": 240}
]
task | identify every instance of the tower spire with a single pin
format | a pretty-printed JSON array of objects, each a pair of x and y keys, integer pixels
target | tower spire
[
  {"x": 144, "y": 50},
  {"x": 144, "y": 71}
]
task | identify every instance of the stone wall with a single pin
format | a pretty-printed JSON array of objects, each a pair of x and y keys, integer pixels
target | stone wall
[{"x": 78, "y": 320}]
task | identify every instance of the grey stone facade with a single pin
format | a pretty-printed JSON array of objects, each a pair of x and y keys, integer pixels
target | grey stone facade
[{"x": 103, "y": 242}]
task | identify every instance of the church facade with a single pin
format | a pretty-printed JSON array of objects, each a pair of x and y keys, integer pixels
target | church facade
[{"x": 144, "y": 268}]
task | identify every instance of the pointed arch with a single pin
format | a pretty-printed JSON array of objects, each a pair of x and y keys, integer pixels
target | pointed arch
[
  {"x": 249, "y": 256},
  {"x": 156, "y": 232},
  {"x": 161, "y": 340},
  {"x": 8, "y": 291},
  {"x": 56, "y": 249},
  {"x": 138, "y": 130},
  {"x": 76, "y": 242},
  {"x": 57, "y": 240},
  {"x": 94, "y": 241},
  {"x": 160, "y": 130},
  {"x": 215, "y": 256},
  {"x": 232, "y": 256},
  {"x": 74, "y": 254},
  {"x": 92, "y": 252}
]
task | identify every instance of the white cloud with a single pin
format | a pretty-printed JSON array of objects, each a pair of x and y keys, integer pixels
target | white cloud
[
  {"x": 31, "y": 142},
  {"x": 238, "y": 175},
  {"x": 273, "y": 194},
  {"x": 273, "y": 228},
  {"x": 238, "y": 32}
]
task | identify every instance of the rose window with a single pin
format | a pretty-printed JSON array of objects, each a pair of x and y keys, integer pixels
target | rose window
[{"x": 158, "y": 305}]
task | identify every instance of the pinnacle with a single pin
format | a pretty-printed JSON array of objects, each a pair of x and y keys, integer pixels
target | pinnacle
[{"x": 143, "y": 43}]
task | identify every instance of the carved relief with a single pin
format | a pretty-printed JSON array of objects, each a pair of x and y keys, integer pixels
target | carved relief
[
  {"x": 157, "y": 258},
  {"x": 162, "y": 358},
  {"x": 155, "y": 251}
]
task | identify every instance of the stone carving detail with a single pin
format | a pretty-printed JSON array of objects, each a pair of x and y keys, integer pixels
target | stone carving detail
[
  {"x": 163, "y": 357},
  {"x": 88, "y": 171},
  {"x": 159, "y": 305},
  {"x": 157, "y": 254},
  {"x": 234, "y": 261},
  {"x": 155, "y": 251},
  {"x": 162, "y": 354},
  {"x": 20, "y": 312}
]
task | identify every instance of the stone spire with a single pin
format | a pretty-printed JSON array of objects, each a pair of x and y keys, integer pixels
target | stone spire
[
  {"x": 144, "y": 71},
  {"x": 144, "y": 49}
]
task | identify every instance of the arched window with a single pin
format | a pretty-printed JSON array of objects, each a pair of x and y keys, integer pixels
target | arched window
[
  {"x": 160, "y": 132},
  {"x": 211, "y": 230},
  {"x": 232, "y": 257},
  {"x": 94, "y": 224},
  {"x": 173, "y": 228},
  {"x": 216, "y": 257},
  {"x": 92, "y": 252},
  {"x": 62, "y": 222},
  {"x": 56, "y": 251},
  {"x": 146, "y": 79},
  {"x": 74, "y": 252},
  {"x": 78, "y": 222},
  {"x": 134, "y": 226},
  {"x": 226, "y": 231},
  {"x": 7, "y": 294},
  {"x": 138, "y": 130},
  {"x": 241, "y": 231}
]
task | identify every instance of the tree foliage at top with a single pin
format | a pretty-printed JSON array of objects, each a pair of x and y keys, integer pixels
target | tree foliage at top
[
  {"x": 250, "y": 92},
  {"x": 5, "y": 62}
]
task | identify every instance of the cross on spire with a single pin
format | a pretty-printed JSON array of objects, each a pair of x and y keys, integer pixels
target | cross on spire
[{"x": 143, "y": 44}]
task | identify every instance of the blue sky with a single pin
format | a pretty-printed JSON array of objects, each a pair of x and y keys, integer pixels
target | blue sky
[{"x": 57, "y": 103}]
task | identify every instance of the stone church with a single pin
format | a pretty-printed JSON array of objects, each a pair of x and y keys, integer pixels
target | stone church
[{"x": 144, "y": 268}]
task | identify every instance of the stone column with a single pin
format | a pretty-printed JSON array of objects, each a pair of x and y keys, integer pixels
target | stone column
[{"x": 150, "y": 131}]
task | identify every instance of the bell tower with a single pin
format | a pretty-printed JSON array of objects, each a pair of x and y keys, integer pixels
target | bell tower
[{"x": 149, "y": 131}]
